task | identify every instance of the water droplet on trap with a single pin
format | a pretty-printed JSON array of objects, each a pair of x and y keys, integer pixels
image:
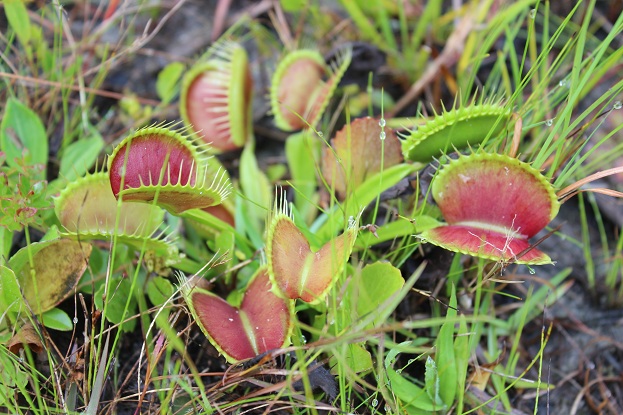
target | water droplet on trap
[
  {"x": 382, "y": 135},
  {"x": 382, "y": 123}
]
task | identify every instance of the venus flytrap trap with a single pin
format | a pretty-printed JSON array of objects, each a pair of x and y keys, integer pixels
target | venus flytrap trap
[
  {"x": 457, "y": 128},
  {"x": 297, "y": 271},
  {"x": 262, "y": 321},
  {"x": 302, "y": 86},
  {"x": 355, "y": 154},
  {"x": 492, "y": 205},
  {"x": 88, "y": 210},
  {"x": 217, "y": 95},
  {"x": 157, "y": 163},
  {"x": 87, "y": 205}
]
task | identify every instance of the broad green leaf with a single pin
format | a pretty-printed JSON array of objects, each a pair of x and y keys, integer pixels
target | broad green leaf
[
  {"x": 56, "y": 268},
  {"x": 293, "y": 6},
  {"x": 257, "y": 191},
  {"x": 116, "y": 300},
  {"x": 409, "y": 393},
  {"x": 11, "y": 375},
  {"x": 225, "y": 244},
  {"x": 461, "y": 355},
  {"x": 167, "y": 83},
  {"x": 52, "y": 233},
  {"x": 57, "y": 319},
  {"x": 6, "y": 237},
  {"x": 373, "y": 286},
  {"x": 80, "y": 156},
  {"x": 22, "y": 134},
  {"x": 10, "y": 295},
  {"x": 302, "y": 151},
  {"x": 431, "y": 381},
  {"x": 17, "y": 15},
  {"x": 357, "y": 358},
  {"x": 444, "y": 355},
  {"x": 44, "y": 56},
  {"x": 159, "y": 290}
]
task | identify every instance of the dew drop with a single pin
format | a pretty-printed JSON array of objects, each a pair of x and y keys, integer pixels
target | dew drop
[
  {"x": 399, "y": 371},
  {"x": 230, "y": 319},
  {"x": 75, "y": 320},
  {"x": 320, "y": 134},
  {"x": 411, "y": 361},
  {"x": 382, "y": 123},
  {"x": 532, "y": 13},
  {"x": 20, "y": 360},
  {"x": 374, "y": 403},
  {"x": 562, "y": 83},
  {"x": 549, "y": 122},
  {"x": 531, "y": 270},
  {"x": 617, "y": 105},
  {"x": 382, "y": 135}
]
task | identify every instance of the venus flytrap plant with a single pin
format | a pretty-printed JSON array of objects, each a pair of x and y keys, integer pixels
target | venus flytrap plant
[
  {"x": 492, "y": 205},
  {"x": 217, "y": 95},
  {"x": 355, "y": 152},
  {"x": 302, "y": 86},
  {"x": 457, "y": 128},
  {"x": 156, "y": 163},
  {"x": 297, "y": 271},
  {"x": 88, "y": 210},
  {"x": 262, "y": 321}
]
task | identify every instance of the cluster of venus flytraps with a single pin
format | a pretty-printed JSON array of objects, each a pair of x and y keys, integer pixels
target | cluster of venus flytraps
[{"x": 492, "y": 204}]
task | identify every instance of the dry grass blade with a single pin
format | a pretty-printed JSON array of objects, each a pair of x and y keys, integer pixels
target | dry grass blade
[{"x": 569, "y": 190}]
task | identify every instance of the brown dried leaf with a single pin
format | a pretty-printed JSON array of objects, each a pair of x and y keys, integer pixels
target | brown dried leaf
[{"x": 26, "y": 336}]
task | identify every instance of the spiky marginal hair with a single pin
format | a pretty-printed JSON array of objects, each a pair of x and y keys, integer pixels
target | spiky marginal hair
[
  {"x": 319, "y": 98},
  {"x": 455, "y": 129},
  {"x": 228, "y": 67}
]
